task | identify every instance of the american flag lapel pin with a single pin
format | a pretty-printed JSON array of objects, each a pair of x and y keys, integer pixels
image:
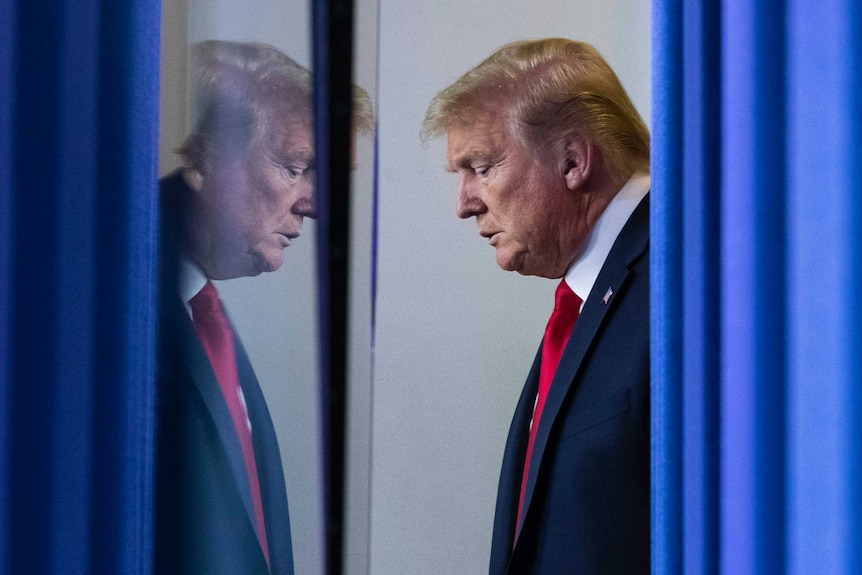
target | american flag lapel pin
[{"x": 608, "y": 295}]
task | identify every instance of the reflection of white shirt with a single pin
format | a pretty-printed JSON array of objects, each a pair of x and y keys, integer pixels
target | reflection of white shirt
[
  {"x": 585, "y": 270},
  {"x": 192, "y": 280}
]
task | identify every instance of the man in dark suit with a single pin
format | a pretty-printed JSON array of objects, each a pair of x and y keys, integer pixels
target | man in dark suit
[
  {"x": 553, "y": 162},
  {"x": 239, "y": 201}
]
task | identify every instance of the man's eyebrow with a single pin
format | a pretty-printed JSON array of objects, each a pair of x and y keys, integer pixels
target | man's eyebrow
[
  {"x": 303, "y": 155},
  {"x": 466, "y": 160}
]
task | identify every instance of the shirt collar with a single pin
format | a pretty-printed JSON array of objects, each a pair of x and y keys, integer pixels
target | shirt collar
[
  {"x": 192, "y": 280},
  {"x": 585, "y": 270}
]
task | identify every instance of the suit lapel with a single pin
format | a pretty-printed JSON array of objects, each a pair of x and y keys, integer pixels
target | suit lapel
[
  {"x": 270, "y": 474},
  {"x": 631, "y": 243},
  {"x": 205, "y": 381}
]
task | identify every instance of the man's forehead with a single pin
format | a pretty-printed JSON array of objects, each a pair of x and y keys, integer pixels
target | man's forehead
[
  {"x": 292, "y": 132},
  {"x": 287, "y": 117},
  {"x": 483, "y": 136}
]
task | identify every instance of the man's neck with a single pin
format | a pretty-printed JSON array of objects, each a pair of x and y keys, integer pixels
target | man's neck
[{"x": 584, "y": 271}]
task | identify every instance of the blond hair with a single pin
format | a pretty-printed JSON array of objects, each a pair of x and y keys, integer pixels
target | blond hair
[
  {"x": 238, "y": 90},
  {"x": 551, "y": 90}
]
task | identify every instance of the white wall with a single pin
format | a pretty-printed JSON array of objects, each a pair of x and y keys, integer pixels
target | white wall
[
  {"x": 173, "y": 83},
  {"x": 455, "y": 334}
]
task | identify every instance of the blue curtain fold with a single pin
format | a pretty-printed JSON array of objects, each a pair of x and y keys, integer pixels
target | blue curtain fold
[
  {"x": 78, "y": 136},
  {"x": 824, "y": 271},
  {"x": 8, "y": 39},
  {"x": 665, "y": 286},
  {"x": 753, "y": 283},
  {"x": 756, "y": 264},
  {"x": 701, "y": 276}
]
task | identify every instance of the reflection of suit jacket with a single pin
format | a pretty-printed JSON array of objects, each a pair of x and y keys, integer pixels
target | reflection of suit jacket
[
  {"x": 204, "y": 515},
  {"x": 586, "y": 504}
]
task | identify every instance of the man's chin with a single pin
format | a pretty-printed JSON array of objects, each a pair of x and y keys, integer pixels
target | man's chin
[
  {"x": 510, "y": 262},
  {"x": 517, "y": 262},
  {"x": 267, "y": 262}
]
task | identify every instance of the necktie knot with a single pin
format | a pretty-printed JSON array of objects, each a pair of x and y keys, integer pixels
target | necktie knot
[
  {"x": 206, "y": 300},
  {"x": 565, "y": 299}
]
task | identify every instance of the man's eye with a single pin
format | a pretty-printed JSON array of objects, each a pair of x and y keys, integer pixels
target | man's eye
[
  {"x": 481, "y": 170},
  {"x": 294, "y": 171}
]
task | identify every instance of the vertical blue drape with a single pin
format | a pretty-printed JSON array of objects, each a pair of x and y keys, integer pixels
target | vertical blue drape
[
  {"x": 7, "y": 42},
  {"x": 753, "y": 284},
  {"x": 666, "y": 279},
  {"x": 764, "y": 135},
  {"x": 701, "y": 185},
  {"x": 824, "y": 273},
  {"x": 78, "y": 130}
]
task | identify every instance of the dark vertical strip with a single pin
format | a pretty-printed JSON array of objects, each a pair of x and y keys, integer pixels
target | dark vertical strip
[
  {"x": 125, "y": 320},
  {"x": 701, "y": 350},
  {"x": 333, "y": 72},
  {"x": 110, "y": 314},
  {"x": 72, "y": 453},
  {"x": 8, "y": 53},
  {"x": 666, "y": 279},
  {"x": 770, "y": 169},
  {"x": 33, "y": 295},
  {"x": 320, "y": 68},
  {"x": 753, "y": 288},
  {"x": 375, "y": 250},
  {"x": 375, "y": 217},
  {"x": 375, "y": 230}
]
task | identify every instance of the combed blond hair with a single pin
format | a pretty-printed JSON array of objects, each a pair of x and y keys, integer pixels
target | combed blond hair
[
  {"x": 550, "y": 90},
  {"x": 240, "y": 88}
]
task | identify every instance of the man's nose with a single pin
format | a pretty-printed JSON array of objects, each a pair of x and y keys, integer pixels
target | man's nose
[
  {"x": 306, "y": 205},
  {"x": 469, "y": 204}
]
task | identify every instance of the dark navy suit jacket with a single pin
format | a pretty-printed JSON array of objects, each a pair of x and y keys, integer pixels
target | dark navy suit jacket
[
  {"x": 204, "y": 515},
  {"x": 587, "y": 499}
]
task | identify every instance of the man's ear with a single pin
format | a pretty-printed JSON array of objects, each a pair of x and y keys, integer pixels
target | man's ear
[
  {"x": 580, "y": 155},
  {"x": 194, "y": 151},
  {"x": 193, "y": 178}
]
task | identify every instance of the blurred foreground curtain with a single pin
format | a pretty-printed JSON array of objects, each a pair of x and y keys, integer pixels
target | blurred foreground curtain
[
  {"x": 757, "y": 293},
  {"x": 78, "y": 129}
]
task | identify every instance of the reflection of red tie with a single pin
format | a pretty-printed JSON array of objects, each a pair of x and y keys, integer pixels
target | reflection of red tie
[
  {"x": 567, "y": 305},
  {"x": 217, "y": 338}
]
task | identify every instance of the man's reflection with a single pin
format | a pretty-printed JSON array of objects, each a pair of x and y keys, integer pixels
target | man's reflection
[{"x": 239, "y": 201}]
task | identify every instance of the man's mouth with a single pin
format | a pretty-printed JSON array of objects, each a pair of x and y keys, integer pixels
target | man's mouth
[
  {"x": 286, "y": 238},
  {"x": 489, "y": 235}
]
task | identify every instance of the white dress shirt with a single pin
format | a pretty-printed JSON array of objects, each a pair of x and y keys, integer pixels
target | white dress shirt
[{"x": 585, "y": 270}]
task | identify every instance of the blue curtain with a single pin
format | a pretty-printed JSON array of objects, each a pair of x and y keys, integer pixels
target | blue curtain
[
  {"x": 78, "y": 132},
  {"x": 757, "y": 243}
]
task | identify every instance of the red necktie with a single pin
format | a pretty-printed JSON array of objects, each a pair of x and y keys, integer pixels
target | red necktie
[
  {"x": 567, "y": 305},
  {"x": 217, "y": 337}
]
